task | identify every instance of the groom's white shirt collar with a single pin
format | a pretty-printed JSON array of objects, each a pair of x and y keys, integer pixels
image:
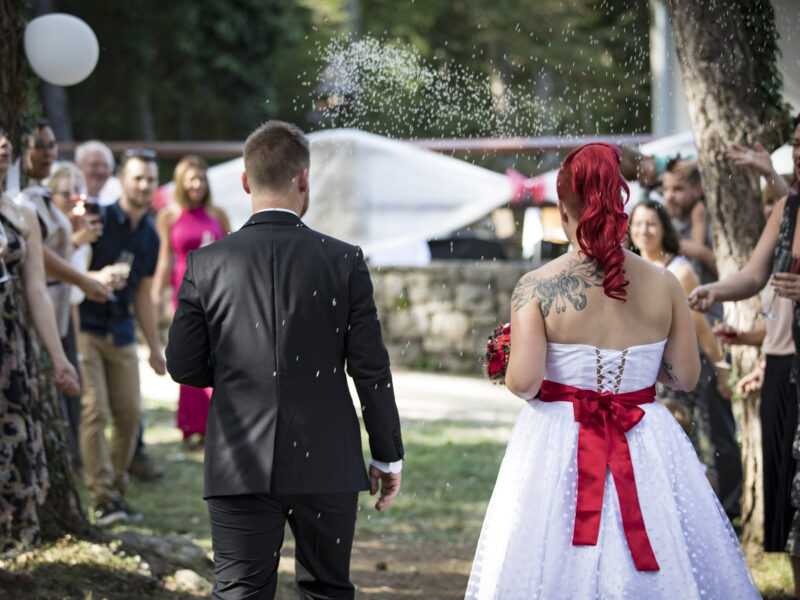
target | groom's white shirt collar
[{"x": 280, "y": 209}]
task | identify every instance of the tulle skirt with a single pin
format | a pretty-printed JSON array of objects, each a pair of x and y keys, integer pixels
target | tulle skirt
[{"x": 525, "y": 548}]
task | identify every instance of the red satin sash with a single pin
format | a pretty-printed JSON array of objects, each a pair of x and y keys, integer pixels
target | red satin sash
[{"x": 604, "y": 419}]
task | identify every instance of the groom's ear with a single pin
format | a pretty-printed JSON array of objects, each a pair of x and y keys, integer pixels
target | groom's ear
[
  {"x": 302, "y": 181},
  {"x": 245, "y": 184}
]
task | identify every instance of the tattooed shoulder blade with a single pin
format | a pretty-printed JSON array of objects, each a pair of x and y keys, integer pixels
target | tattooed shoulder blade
[{"x": 568, "y": 286}]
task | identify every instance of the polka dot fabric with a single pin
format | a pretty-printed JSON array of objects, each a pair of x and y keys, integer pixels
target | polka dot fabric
[{"x": 525, "y": 549}]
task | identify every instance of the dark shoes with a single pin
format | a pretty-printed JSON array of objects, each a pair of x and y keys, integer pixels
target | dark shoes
[
  {"x": 143, "y": 468},
  {"x": 109, "y": 512},
  {"x": 113, "y": 511}
]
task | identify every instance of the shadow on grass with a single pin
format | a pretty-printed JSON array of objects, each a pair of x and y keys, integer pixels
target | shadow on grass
[
  {"x": 97, "y": 566},
  {"x": 91, "y": 581}
]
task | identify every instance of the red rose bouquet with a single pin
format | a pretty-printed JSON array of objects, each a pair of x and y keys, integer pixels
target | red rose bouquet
[{"x": 496, "y": 361}]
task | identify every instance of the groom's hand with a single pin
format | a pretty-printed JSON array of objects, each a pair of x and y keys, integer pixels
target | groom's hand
[{"x": 389, "y": 484}]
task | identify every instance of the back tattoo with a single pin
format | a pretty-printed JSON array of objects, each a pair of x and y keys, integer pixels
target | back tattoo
[{"x": 569, "y": 284}]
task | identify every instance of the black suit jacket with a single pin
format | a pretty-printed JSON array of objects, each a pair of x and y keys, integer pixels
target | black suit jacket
[{"x": 268, "y": 316}]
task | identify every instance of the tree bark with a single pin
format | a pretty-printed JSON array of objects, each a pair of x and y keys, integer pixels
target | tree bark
[
  {"x": 724, "y": 78},
  {"x": 13, "y": 70}
]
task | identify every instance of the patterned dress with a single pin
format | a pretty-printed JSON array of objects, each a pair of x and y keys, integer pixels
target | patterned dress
[
  {"x": 23, "y": 469},
  {"x": 783, "y": 245}
]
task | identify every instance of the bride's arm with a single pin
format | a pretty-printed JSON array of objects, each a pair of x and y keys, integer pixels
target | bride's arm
[
  {"x": 527, "y": 355},
  {"x": 680, "y": 364},
  {"x": 705, "y": 337}
]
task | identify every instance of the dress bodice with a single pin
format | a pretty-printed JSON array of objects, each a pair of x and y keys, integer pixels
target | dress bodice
[
  {"x": 193, "y": 228},
  {"x": 604, "y": 370}
]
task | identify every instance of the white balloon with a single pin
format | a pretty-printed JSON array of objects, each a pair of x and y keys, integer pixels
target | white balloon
[{"x": 61, "y": 49}]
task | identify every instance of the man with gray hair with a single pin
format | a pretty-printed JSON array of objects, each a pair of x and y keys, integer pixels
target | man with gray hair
[{"x": 96, "y": 162}]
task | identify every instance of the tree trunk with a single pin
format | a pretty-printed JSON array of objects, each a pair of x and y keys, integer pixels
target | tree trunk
[
  {"x": 13, "y": 70},
  {"x": 727, "y": 55}
]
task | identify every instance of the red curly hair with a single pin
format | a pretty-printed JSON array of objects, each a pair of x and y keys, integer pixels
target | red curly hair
[{"x": 590, "y": 186}]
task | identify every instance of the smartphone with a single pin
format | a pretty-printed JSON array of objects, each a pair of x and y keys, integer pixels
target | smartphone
[{"x": 92, "y": 208}]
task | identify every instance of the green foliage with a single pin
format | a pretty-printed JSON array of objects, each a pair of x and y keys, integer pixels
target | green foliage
[
  {"x": 185, "y": 69},
  {"x": 564, "y": 68},
  {"x": 214, "y": 69},
  {"x": 762, "y": 34}
]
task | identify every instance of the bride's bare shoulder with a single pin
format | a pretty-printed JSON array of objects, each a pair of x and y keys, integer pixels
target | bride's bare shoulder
[
  {"x": 569, "y": 275},
  {"x": 567, "y": 265},
  {"x": 651, "y": 276}
]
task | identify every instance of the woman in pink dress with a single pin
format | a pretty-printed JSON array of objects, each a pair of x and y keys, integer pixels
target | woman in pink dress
[{"x": 186, "y": 224}]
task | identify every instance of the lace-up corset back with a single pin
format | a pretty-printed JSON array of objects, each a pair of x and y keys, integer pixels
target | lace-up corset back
[{"x": 604, "y": 370}]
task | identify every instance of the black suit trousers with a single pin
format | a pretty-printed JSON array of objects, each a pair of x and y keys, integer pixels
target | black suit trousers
[{"x": 247, "y": 535}]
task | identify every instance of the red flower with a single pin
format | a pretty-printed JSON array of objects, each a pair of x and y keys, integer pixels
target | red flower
[
  {"x": 496, "y": 360},
  {"x": 497, "y": 364}
]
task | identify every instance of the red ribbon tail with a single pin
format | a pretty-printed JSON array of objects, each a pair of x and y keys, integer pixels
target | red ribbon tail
[
  {"x": 591, "y": 482},
  {"x": 632, "y": 520}
]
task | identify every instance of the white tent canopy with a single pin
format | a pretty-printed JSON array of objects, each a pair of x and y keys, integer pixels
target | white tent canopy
[
  {"x": 390, "y": 197},
  {"x": 387, "y": 196}
]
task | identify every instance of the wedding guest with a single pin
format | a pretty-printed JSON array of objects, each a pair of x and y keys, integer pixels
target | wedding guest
[
  {"x": 684, "y": 200},
  {"x": 653, "y": 234},
  {"x": 27, "y": 328},
  {"x": 65, "y": 184},
  {"x": 779, "y": 396},
  {"x": 190, "y": 222},
  {"x": 56, "y": 233},
  {"x": 96, "y": 162},
  {"x": 776, "y": 254},
  {"x": 40, "y": 153},
  {"x": 107, "y": 339}
]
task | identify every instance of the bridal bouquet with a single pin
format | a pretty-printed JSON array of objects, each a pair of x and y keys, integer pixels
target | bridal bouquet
[{"x": 496, "y": 360}]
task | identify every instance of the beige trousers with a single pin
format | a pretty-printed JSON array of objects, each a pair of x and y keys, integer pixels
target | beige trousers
[{"x": 111, "y": 389}]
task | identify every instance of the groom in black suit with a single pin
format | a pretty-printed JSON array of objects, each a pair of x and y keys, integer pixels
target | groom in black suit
[{"x": 269, "y": 316}]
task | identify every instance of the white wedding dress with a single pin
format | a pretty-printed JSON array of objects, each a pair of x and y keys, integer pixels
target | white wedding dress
[{"x": 525, "y": 549}]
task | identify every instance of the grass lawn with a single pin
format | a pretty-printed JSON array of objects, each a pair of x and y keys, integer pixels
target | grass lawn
[{"x": 421, "y": 548}]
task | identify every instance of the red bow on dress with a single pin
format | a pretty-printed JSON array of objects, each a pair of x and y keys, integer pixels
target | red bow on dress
[{"x": 604, "y": 419}]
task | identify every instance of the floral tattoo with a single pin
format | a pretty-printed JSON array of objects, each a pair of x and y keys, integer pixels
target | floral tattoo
[{"x": 567, "y": 286}]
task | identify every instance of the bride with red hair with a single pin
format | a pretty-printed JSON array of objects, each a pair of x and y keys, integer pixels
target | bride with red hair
[{"x": 600, "y": 493}]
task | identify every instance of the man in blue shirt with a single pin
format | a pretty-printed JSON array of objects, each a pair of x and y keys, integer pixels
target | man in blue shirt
[{"x": 108, "y": 339}]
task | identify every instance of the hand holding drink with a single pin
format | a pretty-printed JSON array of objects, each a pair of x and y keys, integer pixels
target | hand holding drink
[
  {"x": 728, "y": 333},
  {"x": 123, "y": 264},
  {"x": 120, "y": 271}
]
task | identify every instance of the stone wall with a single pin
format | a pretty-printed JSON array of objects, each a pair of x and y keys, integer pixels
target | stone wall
[{"x": 439, "y": 316}]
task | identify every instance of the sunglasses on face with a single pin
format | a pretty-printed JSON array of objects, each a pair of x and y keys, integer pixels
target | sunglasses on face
[{"x": 140, "y": 153}]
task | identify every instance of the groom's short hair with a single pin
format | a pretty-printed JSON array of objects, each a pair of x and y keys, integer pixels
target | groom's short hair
[{"x": 274, "y": 154}]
